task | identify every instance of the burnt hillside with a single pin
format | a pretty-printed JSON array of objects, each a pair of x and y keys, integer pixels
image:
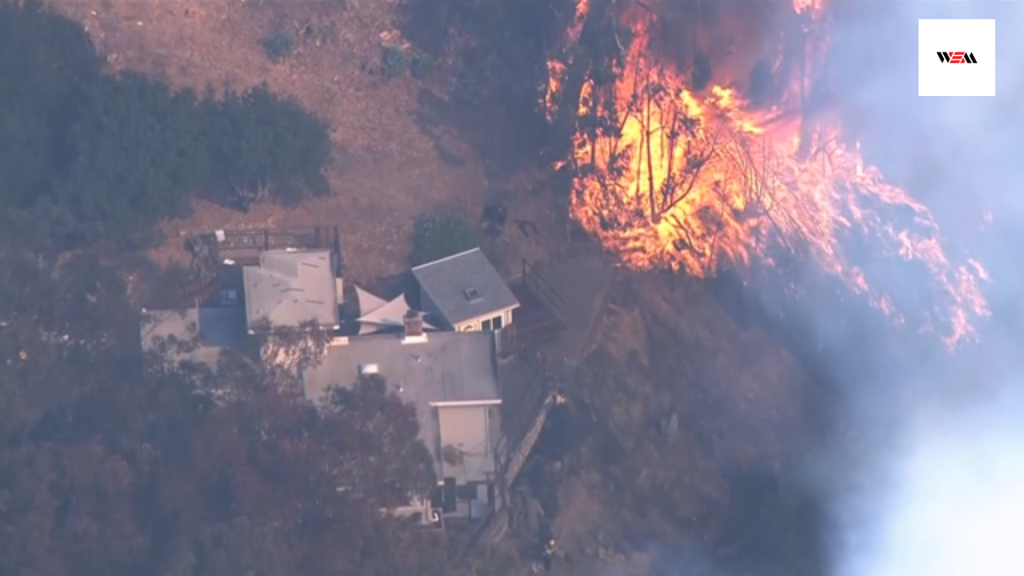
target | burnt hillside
[{"x": 681, "y": 427}]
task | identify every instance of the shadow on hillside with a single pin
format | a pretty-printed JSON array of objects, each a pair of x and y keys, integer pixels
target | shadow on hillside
[
  {"x": 771, "y": 526},
  {"x": 489, "y": 60}
]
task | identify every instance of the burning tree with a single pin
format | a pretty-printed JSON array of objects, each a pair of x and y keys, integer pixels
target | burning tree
[{"x": 671, "y": 177}]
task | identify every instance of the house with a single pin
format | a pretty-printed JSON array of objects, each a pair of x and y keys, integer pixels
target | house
[
  {"x": 451, "y": 378},
  {"x": 194, "y": 335},
  {"x": 465, "y": 293},
  {"x": 289, "y": 287}
]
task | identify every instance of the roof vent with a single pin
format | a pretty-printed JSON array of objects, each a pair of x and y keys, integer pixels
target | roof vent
[
  {"x": 472, "y": 294},
  {"x": 368, "y": 369}
]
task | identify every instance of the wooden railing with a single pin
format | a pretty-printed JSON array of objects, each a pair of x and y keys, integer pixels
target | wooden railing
[
  {"x": 245, "y": 245},
  {"x": 510, "y": 459},
  {"x": 506, "y": 341},
  {"x": 517, "y": 457},
  {"x": 536, "y": 283}
]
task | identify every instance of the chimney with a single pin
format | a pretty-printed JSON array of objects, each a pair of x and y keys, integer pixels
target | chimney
[{"x": 414, "y": 327}]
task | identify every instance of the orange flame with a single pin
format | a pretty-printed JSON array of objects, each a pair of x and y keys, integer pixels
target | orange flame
[{"x": 693, "y": 181}]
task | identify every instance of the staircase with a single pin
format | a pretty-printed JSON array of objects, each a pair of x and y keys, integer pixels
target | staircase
[
  {"x": 511, "y": 459},
  {"x": 522, "y": 451},
  {"x": 539, "y": 319}
]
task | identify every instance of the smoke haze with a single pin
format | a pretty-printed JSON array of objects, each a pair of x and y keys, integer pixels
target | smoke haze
[{"x": 936, "y": 486}]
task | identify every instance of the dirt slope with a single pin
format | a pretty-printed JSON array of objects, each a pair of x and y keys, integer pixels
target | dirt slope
[
  {"x": 385, "y": 170},
  {"x": 676, "y": 406}
]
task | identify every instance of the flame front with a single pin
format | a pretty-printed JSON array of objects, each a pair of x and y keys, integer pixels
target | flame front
[{"x": 693, "y": 182}]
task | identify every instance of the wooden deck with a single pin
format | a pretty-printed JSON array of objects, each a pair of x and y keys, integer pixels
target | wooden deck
[
  {"x": 211, "y": 275},
  {"x": 536, "y": 323}
]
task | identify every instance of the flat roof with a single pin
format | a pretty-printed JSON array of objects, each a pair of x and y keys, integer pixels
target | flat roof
[
  {"x": 217, "y": 329},
  {"x": 453, "y": 367},
  {"x": 464, "y": 286},
  {"x": 290, "y": 287}
]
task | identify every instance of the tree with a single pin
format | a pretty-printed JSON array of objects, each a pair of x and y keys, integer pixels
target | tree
[
  {"x": 257, "y": 138},
  {"x": 134, "y": 155},
  {"x": 441, "y": 234},
  {"x": 496, "y": 55},
  {"x": 284, "y": 350},
  {"x": 44, "y": 62},
  {"x": 87, "y": 158},
  {"x": 113, "y": 466}
]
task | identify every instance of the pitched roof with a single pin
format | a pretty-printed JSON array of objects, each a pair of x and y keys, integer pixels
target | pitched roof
[
  {"x": 290, "y": 287},
  {"x": 464, "y": 286}
]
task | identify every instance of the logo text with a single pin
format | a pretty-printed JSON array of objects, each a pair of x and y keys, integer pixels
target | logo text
[{"x": 957, "y": 58}]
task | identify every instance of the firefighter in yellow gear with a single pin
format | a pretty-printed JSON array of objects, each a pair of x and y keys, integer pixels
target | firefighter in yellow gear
[{"x": 549, "y": 553}]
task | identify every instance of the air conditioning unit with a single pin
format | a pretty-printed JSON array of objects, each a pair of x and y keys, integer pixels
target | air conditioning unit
[{"x": 368, "y": 369}]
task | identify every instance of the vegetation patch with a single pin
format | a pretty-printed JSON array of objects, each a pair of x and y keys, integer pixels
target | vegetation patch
[
  {"x": 441, "y": 234},
  {"x": 394, "y": 62},
  {"x": 86, "y": 156},
  {"x": 421, "y": 66},
  {"x": 278, "y": 46}
]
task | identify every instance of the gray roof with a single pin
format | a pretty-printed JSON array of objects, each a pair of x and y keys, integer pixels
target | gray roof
[
  {"x": 290, "y": 287},
  {"x": 447, "y": 367},
  {"x": 216, "y": 328},
  {"x": 464, "y": 286}
]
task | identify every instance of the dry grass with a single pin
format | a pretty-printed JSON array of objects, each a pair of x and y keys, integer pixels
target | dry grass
[
  {"x": 384, "y": 171},
  {"x": 743, "y": 403}
]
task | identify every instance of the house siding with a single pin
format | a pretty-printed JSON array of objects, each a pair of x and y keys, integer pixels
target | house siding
[
  {"x": 475, "y": 324},
  {"x": 468, "y": 429}
]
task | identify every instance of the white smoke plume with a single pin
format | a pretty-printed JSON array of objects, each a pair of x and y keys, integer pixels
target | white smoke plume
[
  {"x": 947, "y": 498},
  {"x": 938, "y": 487}
]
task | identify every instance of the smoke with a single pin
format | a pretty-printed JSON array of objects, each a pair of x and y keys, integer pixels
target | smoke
[
  {"x": 947, "y": 499},
  {"x": 932, "y": 482}
]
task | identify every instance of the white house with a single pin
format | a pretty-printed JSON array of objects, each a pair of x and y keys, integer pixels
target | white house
[{"x": 452, "y": 380}]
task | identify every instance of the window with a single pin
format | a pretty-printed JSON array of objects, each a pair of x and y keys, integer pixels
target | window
[
  {"x": 466, "y": 328},
  {"x": 497, "y": 322},
  {"x": 485, "y": 325},
  {"x": 491, "y": 324},
  {"x": 472, "y": 294}
]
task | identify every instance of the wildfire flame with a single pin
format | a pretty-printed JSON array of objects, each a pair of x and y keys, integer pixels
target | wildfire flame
[{"x": 676, "y": 179}]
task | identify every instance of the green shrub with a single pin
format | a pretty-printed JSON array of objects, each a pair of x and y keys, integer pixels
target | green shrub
[
  {"x": 421, "y": 66},
  {"x": 394, "y": 62},
  {"x": 90, "y": 158},
  {"x": 278, "y": 46},
  {"x": 441, "y": 234}
]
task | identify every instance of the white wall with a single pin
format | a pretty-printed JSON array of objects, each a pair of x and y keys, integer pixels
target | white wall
[
  {"x": 468, "y": 429},
  {"x": 476, "y": 323}
]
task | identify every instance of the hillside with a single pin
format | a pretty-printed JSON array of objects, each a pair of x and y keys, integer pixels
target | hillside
[
  {"x": 386, "y": 167},
  {"x": 682, "y": 430},
  {"x": 677, "y": 419}
]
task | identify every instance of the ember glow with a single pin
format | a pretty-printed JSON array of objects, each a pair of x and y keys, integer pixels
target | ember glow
[{"x": 697, "y": 181}]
